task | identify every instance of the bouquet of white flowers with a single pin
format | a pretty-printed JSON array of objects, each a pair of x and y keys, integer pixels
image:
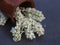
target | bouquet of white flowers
[{"x": 26, "y": 22}]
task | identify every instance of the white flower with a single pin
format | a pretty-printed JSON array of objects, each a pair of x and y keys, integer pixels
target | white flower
[
  {"x": 3, "y": 19},
  {"x": 35, "y": 14},
  {"x": 27, "y": 24},
  {"x": 29, "y": 34},
  {"x": 13, "y": 30}
]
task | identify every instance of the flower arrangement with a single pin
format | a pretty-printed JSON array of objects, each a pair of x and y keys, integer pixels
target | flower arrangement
[{"x": 26, "y": 22}]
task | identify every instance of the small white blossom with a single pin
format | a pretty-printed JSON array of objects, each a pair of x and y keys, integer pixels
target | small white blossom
[
  {"x": 13, "y": 30},
  {"x": 3, "y": 19},
  {"x": 35, "y": 14}
]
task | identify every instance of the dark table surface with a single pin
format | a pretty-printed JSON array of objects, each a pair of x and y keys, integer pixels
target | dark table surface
[{"x": 51, "y": 10}]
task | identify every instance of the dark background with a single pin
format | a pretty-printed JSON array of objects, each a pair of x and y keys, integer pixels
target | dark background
[{"x": 51, "y": 10}]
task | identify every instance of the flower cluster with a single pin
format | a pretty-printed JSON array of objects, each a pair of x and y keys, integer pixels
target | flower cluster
[
  {"x": 34, "y": 14},
  {"x": 3, "y": 19},
  {"x": 17, "y": 31},
  {"x": 26, "y": 23}
]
